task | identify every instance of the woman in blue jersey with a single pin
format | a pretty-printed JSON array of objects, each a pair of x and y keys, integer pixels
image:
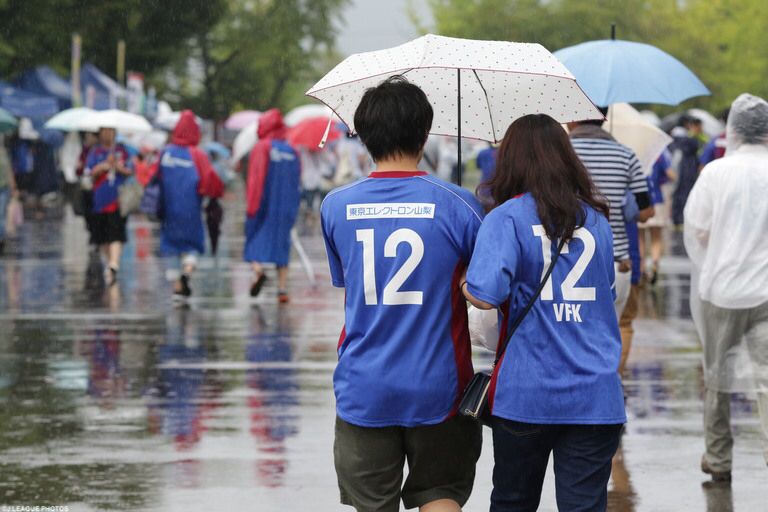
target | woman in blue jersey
[{"x": 556, "y": 389}]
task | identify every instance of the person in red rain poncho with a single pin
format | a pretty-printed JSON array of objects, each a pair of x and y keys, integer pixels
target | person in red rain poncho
[
  {"x": 186, "y": 176},
  {"x": 273, "y": 196}
]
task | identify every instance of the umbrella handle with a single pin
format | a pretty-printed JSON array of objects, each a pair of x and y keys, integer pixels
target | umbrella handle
[{"x": 326, "y": 133}]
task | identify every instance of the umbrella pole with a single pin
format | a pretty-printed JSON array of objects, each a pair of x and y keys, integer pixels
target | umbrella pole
[
  {"x": 305, "y": 262},
  {"x": 458, "y": 141}
]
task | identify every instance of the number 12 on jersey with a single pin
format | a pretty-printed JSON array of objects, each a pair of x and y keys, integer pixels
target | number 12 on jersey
[
  {"x": 392, "y": 296},
  {"x": 568, "y": 287}
]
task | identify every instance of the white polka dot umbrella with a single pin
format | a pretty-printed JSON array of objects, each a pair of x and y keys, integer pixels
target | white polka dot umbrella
[{"x": 476, "y": 88}]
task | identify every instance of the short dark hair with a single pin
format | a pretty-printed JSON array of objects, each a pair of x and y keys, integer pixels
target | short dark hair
[
  {"x": 597, "y": 122},
  {"x": 393, "y": 119}
]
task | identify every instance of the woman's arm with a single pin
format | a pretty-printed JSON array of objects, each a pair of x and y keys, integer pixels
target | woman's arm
[{"x": 479, "y": 304}]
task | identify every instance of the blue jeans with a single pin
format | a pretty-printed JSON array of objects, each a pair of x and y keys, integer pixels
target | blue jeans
[
  {"x": 5, "y": 196},
  {"x": 582, "y": 458}
]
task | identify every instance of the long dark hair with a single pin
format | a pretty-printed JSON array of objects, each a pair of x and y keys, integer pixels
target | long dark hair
[{"x": 536, "y": 156}]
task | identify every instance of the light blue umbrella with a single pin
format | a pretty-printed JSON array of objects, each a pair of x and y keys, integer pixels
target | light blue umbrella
[
  {"x": 219, "y": 159},
  {"x": 615, "y": 71}
]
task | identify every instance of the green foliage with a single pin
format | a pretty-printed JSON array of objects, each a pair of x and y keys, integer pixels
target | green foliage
[
  {"x": 34, "y": 32},
  {"x": 261, "y": 54},
  {"x": 723, "y": 41}
]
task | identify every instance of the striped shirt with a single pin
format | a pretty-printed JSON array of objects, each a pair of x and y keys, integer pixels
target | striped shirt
[{"x": 615, "y": 170}]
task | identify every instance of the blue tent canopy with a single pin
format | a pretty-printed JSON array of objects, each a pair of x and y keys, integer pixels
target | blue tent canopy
[
  {"x": 105, "y": 90},
  {"x": 45, "y": 81},
  {"x": 26, "y": 104}
]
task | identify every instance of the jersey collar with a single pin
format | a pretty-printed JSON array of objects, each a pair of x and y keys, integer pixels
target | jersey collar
[{"x": 396, "y": 174}]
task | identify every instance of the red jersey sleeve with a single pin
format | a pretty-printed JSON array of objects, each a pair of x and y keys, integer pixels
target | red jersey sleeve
[
  {"x": 210, "y": 184},
  {"x": 258, "y": 165}
]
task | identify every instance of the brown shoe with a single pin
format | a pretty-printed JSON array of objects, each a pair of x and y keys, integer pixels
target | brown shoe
[{"x": 717, "y": 476}]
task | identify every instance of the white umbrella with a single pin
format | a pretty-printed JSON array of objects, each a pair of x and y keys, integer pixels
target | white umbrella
[
  {"x": 476, "y": 88},
  {"x": 153, "y": 140},
  {"x": 67, "y": 120},
  {"x": 652, "y": 117},
  {"x": 116, "y": 119},
  {"x": 631, "y": 128},
  {"x": 244, "y": 142},
  {"x": 305, "y": 112}
]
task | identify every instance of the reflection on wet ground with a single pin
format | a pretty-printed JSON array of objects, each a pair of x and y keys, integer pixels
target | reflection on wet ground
[{"x": 116, "y": 399}]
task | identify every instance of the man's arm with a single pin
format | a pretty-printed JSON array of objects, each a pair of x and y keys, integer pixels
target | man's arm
[
  {"x": 644, "y": 204},
  {"x": 639, "y": 187}
]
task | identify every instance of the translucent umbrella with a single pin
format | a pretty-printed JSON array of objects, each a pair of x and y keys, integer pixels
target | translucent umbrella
[
  {"x": 476, "y": 88},
  {"x": 67, "y": 120},
  {"x": 244, "y": 142}
]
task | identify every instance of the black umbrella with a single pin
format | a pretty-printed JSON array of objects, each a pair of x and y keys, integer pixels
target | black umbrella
[{"x": 214, "y": 215}]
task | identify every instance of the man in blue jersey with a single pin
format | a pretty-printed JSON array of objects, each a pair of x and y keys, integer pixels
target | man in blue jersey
[{"x": 398, "y": 241}]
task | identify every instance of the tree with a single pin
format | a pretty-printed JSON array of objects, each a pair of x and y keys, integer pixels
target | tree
[
  {"x": 723, "y": 41},
  {"x": 256, "y": 56},
  {"x": 34, "y": 32}
]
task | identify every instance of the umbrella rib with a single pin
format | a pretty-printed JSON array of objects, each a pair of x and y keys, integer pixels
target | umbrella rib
[{"x": 487, "y": 103}]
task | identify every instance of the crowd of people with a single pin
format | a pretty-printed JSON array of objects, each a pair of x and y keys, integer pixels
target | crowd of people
[
  {"x": 550, "y": 251},
  {"x": 111, "y": 179},
  {"x": 554, "y": 257}
]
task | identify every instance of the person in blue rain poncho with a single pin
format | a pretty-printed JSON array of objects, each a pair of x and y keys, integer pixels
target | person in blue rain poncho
[
  {"x": 273, "y": 197},
  {"x": 186, "y": 176}
]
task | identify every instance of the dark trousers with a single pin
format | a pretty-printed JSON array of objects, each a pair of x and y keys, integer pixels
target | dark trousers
[{"x": 582, "y": 458}]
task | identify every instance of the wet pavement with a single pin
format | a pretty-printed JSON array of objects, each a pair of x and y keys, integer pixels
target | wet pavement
[{"x": 114, "y": 399}]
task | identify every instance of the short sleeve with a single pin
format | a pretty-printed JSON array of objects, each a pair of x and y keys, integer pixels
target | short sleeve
[
  {"x": 494, "y": 260},
  {"x": 334, "y": 261},
  {"x": 637, "y": 181},
  {"x": 470, "y": 224}
]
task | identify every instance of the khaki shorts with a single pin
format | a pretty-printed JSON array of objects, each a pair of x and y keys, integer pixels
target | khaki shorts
[{"x": 441, "y": 463}]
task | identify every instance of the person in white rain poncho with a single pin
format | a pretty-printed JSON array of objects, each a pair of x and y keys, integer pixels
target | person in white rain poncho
[{"x": 726, "y": 222}]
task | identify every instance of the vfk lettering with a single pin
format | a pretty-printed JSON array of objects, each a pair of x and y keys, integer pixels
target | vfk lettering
[{"x": 567, "y": 312}]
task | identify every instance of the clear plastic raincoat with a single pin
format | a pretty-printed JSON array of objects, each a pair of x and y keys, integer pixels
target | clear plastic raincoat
[{"x": 726, "y": 236}]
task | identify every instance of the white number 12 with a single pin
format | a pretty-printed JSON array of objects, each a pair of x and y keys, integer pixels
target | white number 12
[
  {"x": 392, "y": 295},
  {"x": 568, "y": 287}
]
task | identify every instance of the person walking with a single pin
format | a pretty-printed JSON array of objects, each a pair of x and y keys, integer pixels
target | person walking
[
  {"x": 273, "y": 198},
  {"x": 186, "y": 177},
  {"x": 653, "y": 243},
  {"x": 726, "y": 221},
  {"x": 7, "y": 189},
  {"x": 107, "y": 167},
  {"x": 685, "y": 149},
  {"x": 615, "y": 171},
  {"x": 556, "y": 389},
  {"x": 398, "y": 243}
]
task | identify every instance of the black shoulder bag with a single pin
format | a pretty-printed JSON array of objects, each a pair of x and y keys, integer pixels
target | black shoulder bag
[{"x": 474, "y": 401}]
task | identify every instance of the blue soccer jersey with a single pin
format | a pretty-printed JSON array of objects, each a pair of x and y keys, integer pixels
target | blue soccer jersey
[
  {"x": 399, "y": 244},
  {"x": 561, "y": 364}
]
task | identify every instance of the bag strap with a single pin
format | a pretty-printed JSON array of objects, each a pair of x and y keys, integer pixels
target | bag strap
[{"x": 521, "y": 317}]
